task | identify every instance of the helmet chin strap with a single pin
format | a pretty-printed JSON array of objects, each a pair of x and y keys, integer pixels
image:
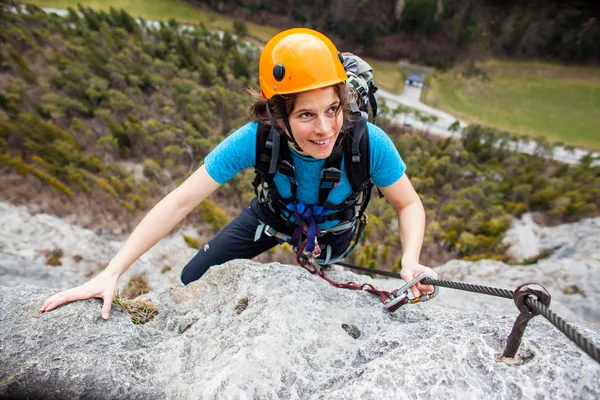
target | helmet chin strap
[{"x": 281, "y": 108}]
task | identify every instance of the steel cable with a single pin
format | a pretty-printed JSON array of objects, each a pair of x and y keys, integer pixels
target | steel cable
[
  {"x": 581, "y": 341},
  {"x": 507, "y": 294}
]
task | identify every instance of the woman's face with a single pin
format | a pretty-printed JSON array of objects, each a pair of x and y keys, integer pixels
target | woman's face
[{"x": 316, "y": 121}]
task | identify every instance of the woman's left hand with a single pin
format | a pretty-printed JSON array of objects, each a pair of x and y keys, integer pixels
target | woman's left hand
[{"x": 412, "y": 269}]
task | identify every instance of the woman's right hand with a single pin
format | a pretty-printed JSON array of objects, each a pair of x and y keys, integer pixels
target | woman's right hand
[{"x": 103, "y": 286}]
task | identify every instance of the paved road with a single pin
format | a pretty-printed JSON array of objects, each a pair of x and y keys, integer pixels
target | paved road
[{"x": 411, "y": 98}]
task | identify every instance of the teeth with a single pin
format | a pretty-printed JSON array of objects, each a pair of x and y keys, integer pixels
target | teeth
[{"x": 321, "y": 142}]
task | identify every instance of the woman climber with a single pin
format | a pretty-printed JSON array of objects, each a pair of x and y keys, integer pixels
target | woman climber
[{"x": 309, "y": 144}]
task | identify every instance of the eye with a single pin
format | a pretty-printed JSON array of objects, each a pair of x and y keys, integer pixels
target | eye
[
  {"x": 333, "y": 110},
  {"x": 305, "y": 115}
]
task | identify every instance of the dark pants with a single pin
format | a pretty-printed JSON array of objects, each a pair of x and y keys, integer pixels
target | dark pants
[{"x": 236, "y": 240}]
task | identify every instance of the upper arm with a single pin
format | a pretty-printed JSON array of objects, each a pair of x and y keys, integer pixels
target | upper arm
[
  {"x": 194, "y": 189},
  {"x": 401, "y": 193},
  {"x": 231, "y": 156},
  {"x": 386, "y": 165},
  {"x": 234, "y": 154}
]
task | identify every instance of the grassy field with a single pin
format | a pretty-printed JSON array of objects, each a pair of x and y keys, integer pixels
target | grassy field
[
  {"x": 162, "y": 10},
  {"x": 559, "y": 102},
  {"x": 387, "y": 75}
]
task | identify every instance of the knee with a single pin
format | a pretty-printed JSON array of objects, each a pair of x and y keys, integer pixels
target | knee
[{"x": 188, "y": 275}]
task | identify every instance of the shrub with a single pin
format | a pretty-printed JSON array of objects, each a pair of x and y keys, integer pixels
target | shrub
[
  {"x": 240, "y": 28},
  {"x": 213, "y": 214},
  {"x": 53, "y": 257},
  {"x": 191, "y": 242}
]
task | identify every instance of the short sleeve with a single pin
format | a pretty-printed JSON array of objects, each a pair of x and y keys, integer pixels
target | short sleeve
[
  {"x": 234, "y": 154},
  {"x": 387, "y": 165}
]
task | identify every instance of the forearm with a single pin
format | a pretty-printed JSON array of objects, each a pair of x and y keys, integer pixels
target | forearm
[
  {"x": 411, "y": 220},
  {"x": 162, "y": 219},
  {"x": 156, "y": 224}
]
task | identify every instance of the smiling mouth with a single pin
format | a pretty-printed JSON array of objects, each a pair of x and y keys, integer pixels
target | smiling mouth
[{"x": 321, "y": 142}]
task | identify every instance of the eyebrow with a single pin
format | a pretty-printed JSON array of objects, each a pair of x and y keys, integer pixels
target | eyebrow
[{"x": 303, "y": 110}]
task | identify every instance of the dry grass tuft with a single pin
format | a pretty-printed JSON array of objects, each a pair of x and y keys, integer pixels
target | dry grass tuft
[
  {"x": 241, "y": 305},
  {"x": 141, "y": 311},
  {"x": 136, "y": 286},
  {"x": 191, "y": 242},
  {"x": 53, "y": 257},
  {"x": 165, "y": 269}
]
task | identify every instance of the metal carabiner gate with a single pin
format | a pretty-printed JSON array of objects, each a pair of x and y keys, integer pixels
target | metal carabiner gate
[{"x": 399, "y": 297}]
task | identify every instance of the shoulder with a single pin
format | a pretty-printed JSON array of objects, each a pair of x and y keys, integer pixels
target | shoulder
[
  {"x": 244, "y": 136},
  {"x": 379, "y": 136},
  {"x": 249, "y": 129},
  {"x": 233, "y": 154},
  {"x": 375, "y": 139},
  {"x": 379, "y": 140},
  {"x": 376, "y": 132},
  {"x": 240, "y": 140}
]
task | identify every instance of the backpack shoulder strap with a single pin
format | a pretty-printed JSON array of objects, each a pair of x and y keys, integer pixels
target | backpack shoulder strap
[
  {"x": 272, "y": 156},
  {"x": 357, "y": 155},
  {"x": 263, "y": 159}
]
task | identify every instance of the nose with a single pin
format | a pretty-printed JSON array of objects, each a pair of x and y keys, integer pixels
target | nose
[{"x": 321, "y": 125}]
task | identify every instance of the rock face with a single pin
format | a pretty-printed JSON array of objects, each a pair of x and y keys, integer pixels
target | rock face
[
  {"x": 292, "y": 340},
  {"x": 571, "y": 272},
  {"x": 529, "y": 239},
  {"x": 25, "y": 239},
  {"x": 270, "y": 331}
]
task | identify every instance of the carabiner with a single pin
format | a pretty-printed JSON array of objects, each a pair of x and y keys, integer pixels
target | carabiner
[
  {"x": 398, "y": 300},
  {"x": 306, "y": 259},
  {"x": 309, "y": 262}
]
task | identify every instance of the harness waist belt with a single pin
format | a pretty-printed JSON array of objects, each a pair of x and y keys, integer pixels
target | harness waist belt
[{"x": 270, "y": 231}]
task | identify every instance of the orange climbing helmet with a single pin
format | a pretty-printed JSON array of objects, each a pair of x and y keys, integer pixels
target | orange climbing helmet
[{"x": 297, "y": 60}]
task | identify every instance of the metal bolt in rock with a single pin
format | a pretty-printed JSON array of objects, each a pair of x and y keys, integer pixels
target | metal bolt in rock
[{"x": 526, "y": 314}]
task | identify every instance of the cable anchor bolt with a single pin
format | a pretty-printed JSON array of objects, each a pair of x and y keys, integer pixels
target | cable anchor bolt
[{"x": 526, "y": 313}]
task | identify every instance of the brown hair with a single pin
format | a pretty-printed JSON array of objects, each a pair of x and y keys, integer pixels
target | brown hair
[{"x": 258, "y": 108}]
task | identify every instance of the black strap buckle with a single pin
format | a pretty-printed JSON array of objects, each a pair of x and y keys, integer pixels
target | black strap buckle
[
  {"x": 286, "y": 168},
  {"x": 331, "y": 175}
]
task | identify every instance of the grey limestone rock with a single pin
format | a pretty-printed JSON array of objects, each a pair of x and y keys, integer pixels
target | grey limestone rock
[
  {"x": 270, "y": 331},
  {"x": 291, "y": 341},
  {"x": 27, "y": 236}
]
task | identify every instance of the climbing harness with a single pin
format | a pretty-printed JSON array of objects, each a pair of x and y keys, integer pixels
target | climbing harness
[{"x": 530, "y": 299}]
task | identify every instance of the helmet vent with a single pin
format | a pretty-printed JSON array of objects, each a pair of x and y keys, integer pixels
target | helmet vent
[{"x": 278, "y": 72}]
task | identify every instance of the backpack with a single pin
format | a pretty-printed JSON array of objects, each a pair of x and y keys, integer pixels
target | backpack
[
  {"x": 360, "y": 79},
  {"x": 272, "y": 156}
]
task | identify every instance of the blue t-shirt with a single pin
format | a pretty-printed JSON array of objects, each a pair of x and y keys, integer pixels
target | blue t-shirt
[{"x": 238, "y": 152}]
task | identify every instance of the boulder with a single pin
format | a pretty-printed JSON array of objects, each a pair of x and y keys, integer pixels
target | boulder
[{"x": 268, "y": 331}]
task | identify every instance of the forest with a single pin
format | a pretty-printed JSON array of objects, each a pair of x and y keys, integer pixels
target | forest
[
  {"x": 85, "y": 97},
  {"x": 439, "y": 32}
]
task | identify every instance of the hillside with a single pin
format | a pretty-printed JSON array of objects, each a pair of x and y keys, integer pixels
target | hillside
[{"x": 102, "y": 115}]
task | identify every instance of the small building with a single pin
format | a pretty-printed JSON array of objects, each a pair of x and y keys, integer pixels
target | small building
[{"x": 416, "y": 79}]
